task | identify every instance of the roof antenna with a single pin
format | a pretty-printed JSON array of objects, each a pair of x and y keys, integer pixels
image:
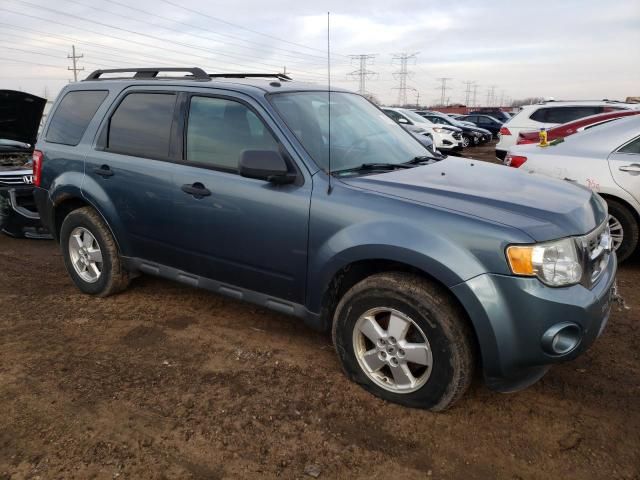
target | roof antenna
[{"x": 330, "y": 188}]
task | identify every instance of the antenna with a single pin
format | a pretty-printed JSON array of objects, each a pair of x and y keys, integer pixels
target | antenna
[{"x": 329, "y": 188}]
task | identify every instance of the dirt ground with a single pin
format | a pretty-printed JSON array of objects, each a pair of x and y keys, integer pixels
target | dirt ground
[{"x": 165, "y": 381}]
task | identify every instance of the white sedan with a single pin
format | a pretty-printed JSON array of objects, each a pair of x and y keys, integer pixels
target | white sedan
[{"x": 605, "y": 159}]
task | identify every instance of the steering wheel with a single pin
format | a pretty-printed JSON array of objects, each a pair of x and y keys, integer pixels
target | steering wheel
[{"x": 352, "y": 147}]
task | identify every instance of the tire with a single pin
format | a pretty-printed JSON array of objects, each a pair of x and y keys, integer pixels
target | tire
[
  {"x": 112, "y": 277},
  {"x": 433, "y": 314},
  {"x": 466, "y": 141},
  {"x": 630, "y": 230}
]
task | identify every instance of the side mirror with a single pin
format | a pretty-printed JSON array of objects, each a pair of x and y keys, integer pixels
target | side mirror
[
  {"x": 265, "y": 165},
  {"x": 403, "y": 120}
]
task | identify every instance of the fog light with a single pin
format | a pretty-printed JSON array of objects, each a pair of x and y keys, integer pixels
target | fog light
[{"x": 561, "y": 338}]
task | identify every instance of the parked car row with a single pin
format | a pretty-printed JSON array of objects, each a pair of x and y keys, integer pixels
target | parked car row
[{"x": 424, "y": 267}]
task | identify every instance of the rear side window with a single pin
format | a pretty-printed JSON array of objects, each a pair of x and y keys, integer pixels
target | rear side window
[
  {"x": 71, "y": 118},
  {"x": 141, "y": 125},
  {"x": 631, "y": 147},
  {"x": 563, "y": 114},
  {"x": 219, "y": 130}
]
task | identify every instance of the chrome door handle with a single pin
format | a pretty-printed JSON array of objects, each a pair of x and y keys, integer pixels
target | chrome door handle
[{"x": 633, "y": 168}]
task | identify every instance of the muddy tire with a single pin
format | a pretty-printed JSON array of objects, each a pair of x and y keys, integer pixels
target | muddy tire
[
  {"x": 622, "y": 219},
  {"x": 91, "y": 255},
  {"x": 405, "y": 339}
]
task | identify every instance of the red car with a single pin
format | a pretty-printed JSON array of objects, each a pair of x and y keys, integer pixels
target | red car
[{"x": 576, "y": 126}]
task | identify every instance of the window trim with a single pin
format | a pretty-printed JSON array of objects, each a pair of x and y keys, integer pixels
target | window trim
[
  {"x": 102, "y": 138},
  {"x": 184, "y": 126},
  {"x": 54, "y": 112},
  {"x": 618, "y": 152}
]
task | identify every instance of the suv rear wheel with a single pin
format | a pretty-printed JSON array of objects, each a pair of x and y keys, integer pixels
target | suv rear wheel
[
  {"x": 90, "y": 254},
  {"x": 624, "y": 229},
  {"x": 404, "y": 339}
]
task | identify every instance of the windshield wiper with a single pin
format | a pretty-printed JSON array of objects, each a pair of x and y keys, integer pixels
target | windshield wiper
[
  {"x": 421, "y": 159},
  {"x": 374, "y": 166}
]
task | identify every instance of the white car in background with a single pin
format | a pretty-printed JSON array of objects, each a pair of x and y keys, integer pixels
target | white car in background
[
  {"x": 549, "y": 114},
  {"x": 605, "y": 159},
  {"x": 445, "y": 138}
]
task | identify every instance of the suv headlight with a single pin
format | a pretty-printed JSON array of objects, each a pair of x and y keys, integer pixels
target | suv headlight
[
  {"x": 555, "y": 263},
  {"x": 439, "y": 130}
]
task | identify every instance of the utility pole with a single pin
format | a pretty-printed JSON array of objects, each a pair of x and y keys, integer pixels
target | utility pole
[
  {"x": 402, "y": 75},
  {"x": 362, "y": 73},
  {"x": 467, "y": 92},
  {"x": 75, "y": 67},
  {"x": 475, "y": 94},
  {"x": 443, "y": 89}
]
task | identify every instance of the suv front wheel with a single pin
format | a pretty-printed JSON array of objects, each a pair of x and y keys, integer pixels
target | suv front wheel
[
  {"x": 405, "y": 340},
  {"x": 90, "y": 254}
]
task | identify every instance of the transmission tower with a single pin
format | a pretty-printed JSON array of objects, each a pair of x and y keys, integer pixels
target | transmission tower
[
  {"x": 443, "y": 89},
  {"x": 75, "y": 67},
  {"x": 491, "y": 95},
  {"x": 467, "y": 92},
  {"x": 402, "y": 74},
  {"x": 475, "y": 95},
  {"x": 362, "y": 73}
]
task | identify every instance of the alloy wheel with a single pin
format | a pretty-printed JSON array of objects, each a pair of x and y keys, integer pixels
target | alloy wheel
[
  {"x": 392, "y": 350},
  {"x": 85, "y": 254},
  {"x": 616, "y": 232}
]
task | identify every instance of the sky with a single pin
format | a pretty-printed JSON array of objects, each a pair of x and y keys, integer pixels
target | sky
[{"x": 568, "y": 49}]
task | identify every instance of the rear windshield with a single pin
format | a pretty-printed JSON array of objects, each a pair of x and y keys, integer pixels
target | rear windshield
[{"x": 71, "y": 118}]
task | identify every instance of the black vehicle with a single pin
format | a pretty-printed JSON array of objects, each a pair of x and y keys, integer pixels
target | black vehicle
[
  {"x": 470, "y": 135},
  {"x": 484, "y": 121},
  {"x": 493, "y": 112},
  {"x": 20, "y": 115}
]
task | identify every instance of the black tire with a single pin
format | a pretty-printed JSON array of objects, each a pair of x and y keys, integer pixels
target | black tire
[
  {"x": 436, "y": 314},
  {"x": 466, "y": 141},
  {"x": 630, "y": 229},
  {"x": 113, "y": 277}
]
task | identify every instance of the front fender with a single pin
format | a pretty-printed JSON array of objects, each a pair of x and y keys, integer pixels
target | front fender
[{"x": 435, "y": 255}]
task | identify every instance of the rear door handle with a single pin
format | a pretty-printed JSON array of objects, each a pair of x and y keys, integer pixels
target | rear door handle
[
  {"x": 197, "y": 189},
  {"x": 633, "y": 168},
  {"x": 103, "y": 171}
]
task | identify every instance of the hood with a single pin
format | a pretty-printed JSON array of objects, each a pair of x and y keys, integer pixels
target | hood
[
  {"x": 20, "y": 115},
  {"x": 542, "y": 207}
]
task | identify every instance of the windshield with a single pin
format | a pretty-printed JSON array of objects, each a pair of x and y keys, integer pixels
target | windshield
[
  {"x": 413, "y": 116},
  {"x": 360, "y": 133}
]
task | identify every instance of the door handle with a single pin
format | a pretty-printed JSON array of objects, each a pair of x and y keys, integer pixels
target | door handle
[
  {"x": 197, "y": 189},
  {"x": 633, "y": 168},
  {"x": 103, "y": 171}
]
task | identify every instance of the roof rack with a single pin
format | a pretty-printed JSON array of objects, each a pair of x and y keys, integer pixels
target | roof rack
[
  {"x": 279, "y": 76},
  {"x": 194, "y": 73}
]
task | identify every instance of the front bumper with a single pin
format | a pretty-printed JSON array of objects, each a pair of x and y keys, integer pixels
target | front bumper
[
  {"x": 18, "y": 213},
  {"x": 511, "y": 314}
]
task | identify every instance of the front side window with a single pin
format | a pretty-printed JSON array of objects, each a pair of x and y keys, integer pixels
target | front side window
[
  {"x": 72, "y": 117},
  {"x": 219, "y": 130},
  {"x": 360, "y": 133},
  {"x": 141, "y": 125}
]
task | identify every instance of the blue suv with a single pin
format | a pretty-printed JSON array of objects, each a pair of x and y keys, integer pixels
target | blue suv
[{"x": 314, "y": 204}]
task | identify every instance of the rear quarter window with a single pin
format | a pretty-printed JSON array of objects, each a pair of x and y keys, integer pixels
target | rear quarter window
[{"x": 71, "y": 118}]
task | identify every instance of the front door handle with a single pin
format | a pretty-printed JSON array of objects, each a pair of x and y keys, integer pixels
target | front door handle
[
  {"x": 103, "y": 171},
  {"x": 197, "y": 189},
  {"x": 633, "y": 168}
]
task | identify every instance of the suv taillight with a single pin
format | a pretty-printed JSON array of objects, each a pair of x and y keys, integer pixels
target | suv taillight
[
  {"x": 514, "y": 161},
  {"x": 504, "y": 131},
  {"x": 37, "y": 167}
]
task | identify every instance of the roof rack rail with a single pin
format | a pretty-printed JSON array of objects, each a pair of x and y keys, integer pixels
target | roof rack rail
[
  {"x": 195, "y": 73},
  {"x": 279, "y": 76}
]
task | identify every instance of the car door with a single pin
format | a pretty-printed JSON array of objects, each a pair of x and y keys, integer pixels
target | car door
[
  {"x": 129, "y": 174},
  {"x": 625, "y": 167},
  {"x": 240, "y": 231}
]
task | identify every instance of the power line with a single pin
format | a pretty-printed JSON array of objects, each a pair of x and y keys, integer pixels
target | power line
[
  {"x": 362, "y": 73},
  {"x": 443, "y": 89},
  {"x": 402, "y": 74},
  {"x": 75, "y": 67}
]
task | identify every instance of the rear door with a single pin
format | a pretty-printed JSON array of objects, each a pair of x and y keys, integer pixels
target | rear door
[
  {"x": 243, "y": 232},
  {"x": 130, "y": 172},
  {"x": 625, "y": 167}
]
